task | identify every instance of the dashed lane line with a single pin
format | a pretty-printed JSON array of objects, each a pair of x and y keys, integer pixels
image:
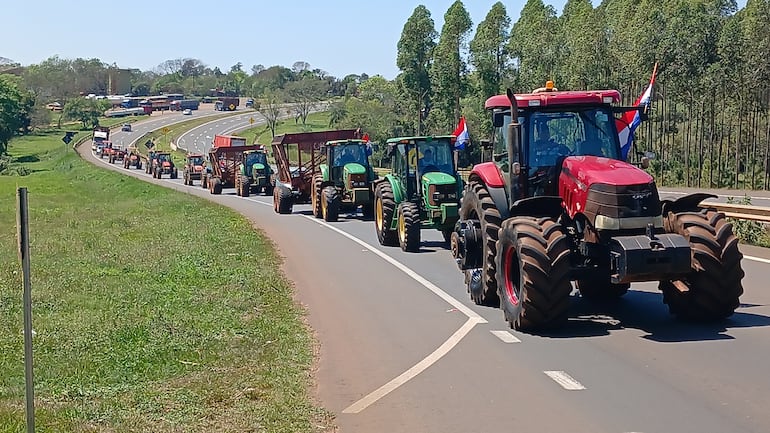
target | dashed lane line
[
  {"x": 505, "y": 336},
  {"x": 565, "y": 380}
]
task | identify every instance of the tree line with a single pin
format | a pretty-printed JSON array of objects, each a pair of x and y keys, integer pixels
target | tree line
[{"x": 710, "y": 118}]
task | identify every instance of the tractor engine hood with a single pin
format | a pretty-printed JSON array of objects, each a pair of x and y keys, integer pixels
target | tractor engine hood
[
  {"x": 438, "y": 178},
  {"x": 354, "y": 168},
  {"x": 612, "y": 194}
]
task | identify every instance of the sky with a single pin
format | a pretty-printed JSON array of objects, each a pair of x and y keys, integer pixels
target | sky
[{"x": 340, "y": 37}]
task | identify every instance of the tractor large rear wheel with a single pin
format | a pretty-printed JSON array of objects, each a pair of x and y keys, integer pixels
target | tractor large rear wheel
[
  {"x": 216, "y": 187},
  {"x": 204, "y": 181},
  {"x": 384, "y": 208},
  {"x": 409, "y": 226},
  {"x": 284, "y": 200},
  {"x": 477, "y": 204},
  {"x": 316, "y": 197},
  {"x": 330, "y": 204},
  {"x": 712, "y": 289},
  {"x": 533, "y": 270}
]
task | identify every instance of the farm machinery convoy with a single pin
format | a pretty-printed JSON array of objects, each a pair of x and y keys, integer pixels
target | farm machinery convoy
[{"x": 556, "y": 209}]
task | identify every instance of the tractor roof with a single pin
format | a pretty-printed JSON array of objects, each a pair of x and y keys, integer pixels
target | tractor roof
[
  {"x": 338, "y": 142},
  {"x": 308, "y": 140},
  {"x": 547, "y": 98},
  {"x": 195, "y": 155},
  {"x": 397, "y": 140}
]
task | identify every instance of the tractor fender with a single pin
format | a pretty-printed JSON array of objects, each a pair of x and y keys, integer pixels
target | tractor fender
[
  {"x": 689, "y": 202},
  {"x": 398, "y": 195},
  {"x": 488, "y": 174},
  {"x": 542, "y": 206}
]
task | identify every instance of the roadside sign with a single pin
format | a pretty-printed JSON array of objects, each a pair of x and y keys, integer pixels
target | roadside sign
[
  {"x": 149, "y": 144},
  {"x": 165, "y": 130},
  {"x": 251, "y": 120}
]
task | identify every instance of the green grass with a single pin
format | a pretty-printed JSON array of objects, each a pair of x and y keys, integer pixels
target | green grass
[{"x": 153, "y": 310}]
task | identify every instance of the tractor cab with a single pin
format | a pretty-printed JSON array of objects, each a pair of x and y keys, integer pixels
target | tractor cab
[
  {"x": 254, "y": 160},
  {"x": 429, "y": 159},
  {"x": 346, "y": 159},
  {"x": 196, "y": 160}
]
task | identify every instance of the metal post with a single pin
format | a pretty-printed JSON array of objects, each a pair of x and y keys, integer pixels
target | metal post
[{"x": 22, "y": 222}]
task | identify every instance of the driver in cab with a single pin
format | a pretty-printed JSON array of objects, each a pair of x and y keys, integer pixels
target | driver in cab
[
  {"x": 348, "y": 155},
  {"x": 427, "y": 160}
]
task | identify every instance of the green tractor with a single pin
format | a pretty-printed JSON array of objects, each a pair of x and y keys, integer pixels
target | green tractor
[
  {"x": 254, "y": 174},
  {"x": 345, "y": 181},
  {"x": 422, "y": 191}
]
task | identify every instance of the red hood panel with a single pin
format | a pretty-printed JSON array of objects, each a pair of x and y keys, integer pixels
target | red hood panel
[{"x": 593, "y": 169}]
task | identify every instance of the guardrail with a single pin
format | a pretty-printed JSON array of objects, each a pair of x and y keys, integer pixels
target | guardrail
[{"x": 731, "y": 210}]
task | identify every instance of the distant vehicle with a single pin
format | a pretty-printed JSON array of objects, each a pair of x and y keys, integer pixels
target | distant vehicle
[
  {"x": 126, "y": 127},
  {"x": 187, "y": 111},
  {"x": 179, "y": 105},
  {"x": 250, "y": 102},
  {"x": 226, "y": 104}
]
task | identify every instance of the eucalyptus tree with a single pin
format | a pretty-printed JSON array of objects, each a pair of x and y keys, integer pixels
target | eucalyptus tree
[
  {"x": 583, "y": 57},
  {"x": 488, "y": 53},
  {"x": 448, "y": 69},
  {"x": 415, "y": 52},
  {"x": 534, "y": 46}
]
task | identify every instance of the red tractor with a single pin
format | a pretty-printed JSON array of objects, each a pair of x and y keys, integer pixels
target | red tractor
[
  {"x": 132, "y": 159},
  {"x": 557, "y": 205}
]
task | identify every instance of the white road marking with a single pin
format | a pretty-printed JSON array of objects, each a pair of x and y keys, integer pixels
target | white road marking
[
  {"x": 505, "y": 336},
  {"x": 473, "y": 320},
  {"x": 414, "y": 371},
  {"x": 565, "y": 380},
  {"x": 757, "y": 259}
]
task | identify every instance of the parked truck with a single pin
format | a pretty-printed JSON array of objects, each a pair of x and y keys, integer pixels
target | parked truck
[
  {"x": 226, "y": 104},
  {"x": 185, "y": 104}
]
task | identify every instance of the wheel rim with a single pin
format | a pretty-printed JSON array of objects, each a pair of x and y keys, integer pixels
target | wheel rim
[
  {"x": 401, "y": 227},
  {"x": 323, "y": 207},
  {"x": 378, "y": 214},
  {"x": 510, "y": 272}
]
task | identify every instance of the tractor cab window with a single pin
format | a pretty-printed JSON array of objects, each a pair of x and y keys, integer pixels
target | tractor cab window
[
  {"x": 256, "y": 158},
  {"x": 431, "y": 156},
  {"x": 349, "y": 153},
  {"x": 500, "y": 142},
  {"x": 197, "y": 160},
  {"x": 164, "y": 157}
]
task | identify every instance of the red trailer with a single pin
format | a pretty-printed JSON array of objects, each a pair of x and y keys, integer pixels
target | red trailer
[{"x": 298, "y": 157}]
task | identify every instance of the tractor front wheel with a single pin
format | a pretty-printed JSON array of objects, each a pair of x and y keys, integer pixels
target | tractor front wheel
[
  {"x": 712, "y": 289},
  {"x": 477, "y": 204},
  {"x": 245, "y": 187},
  {"x": 330, "y": 204},
  {"x": 384, "y": 208},
  {"x": 409, "y": 227},
  {"x": 216, "y": 187},
  {"x": 533, "y": 270}
]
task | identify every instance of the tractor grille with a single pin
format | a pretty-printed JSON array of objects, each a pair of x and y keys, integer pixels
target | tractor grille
[
  {"x": 438, "y": 194},
  {"x": 357, "y": 181},
  {"x": 622, "y": 201}
]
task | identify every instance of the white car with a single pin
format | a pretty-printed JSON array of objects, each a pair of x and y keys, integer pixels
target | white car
[{"x": 187, "y": 112}]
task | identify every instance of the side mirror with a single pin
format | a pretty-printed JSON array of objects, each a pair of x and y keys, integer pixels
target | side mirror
[{"x": 486, "y": 144}]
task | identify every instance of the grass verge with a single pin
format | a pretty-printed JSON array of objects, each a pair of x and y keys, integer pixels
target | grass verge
[{"x": 153, "y": 310}]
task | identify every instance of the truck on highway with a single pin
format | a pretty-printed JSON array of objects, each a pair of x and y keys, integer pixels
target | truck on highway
[
  {"x": 228, "y": 141},
  {"x": 185, "y": 104},
  {"x": 226, "y": 104}
]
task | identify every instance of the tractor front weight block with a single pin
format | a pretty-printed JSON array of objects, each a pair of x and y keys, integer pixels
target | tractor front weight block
[{"x": 648, "y": 258}]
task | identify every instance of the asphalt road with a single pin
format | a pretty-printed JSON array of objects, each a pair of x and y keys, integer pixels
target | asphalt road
[{"x": 402, "y": 348}]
